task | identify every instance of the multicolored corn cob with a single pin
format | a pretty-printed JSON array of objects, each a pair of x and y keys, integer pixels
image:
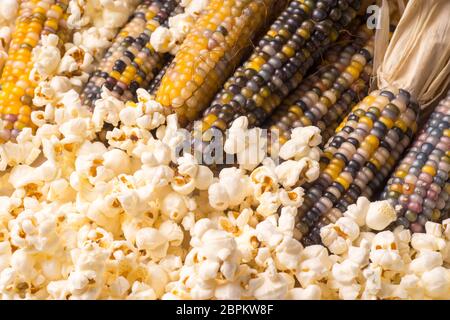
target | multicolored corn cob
[
  {"x": 279, "y": 62},
  {"x": 131, "y": 62},
  {"x": 212, "y": 49},
  {"x": 322, "y": 98},
  {"x": 373, "y": 135},
  {"x": 420, "y": 186},
  {"x": 36, "y": 18}
]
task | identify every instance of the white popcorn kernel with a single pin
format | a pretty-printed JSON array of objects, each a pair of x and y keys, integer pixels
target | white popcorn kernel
[
  {"x": 268, "y": 204},
  {"x": 339, "y": 236},
  {"x": 288, "y": 254},
  {"x": 158, "y": 278},
  {"x": 268, "y": 234},
  {"x": 174, "y": 207},
  {"x": 141, "y": 291},
  {"x": 292, "y": 198},
  {"x": 289, "y": 172},
  {"x": 8, "y": 9},
  {"x": 286, "y": 222},
  {"x": 379, "y": 215},
  {"x": 411, "y": 285},
  {"x": 345, "y": 273},
  {"x": 425, "y": 261},
  {"x": 349, "y": 292},
  {"x": 228, "y": 291},
  {"x": 161, "y": 40},
  {"x": 270, "y": 285},
  {"x": 153, "y": 241},
  {"x": 425, "y": 241},
  {"x": 263, "y": 179},
  {"x": 384, "y": 251},
  {"x": 311, "y": 292},
  {"x": 373, "y": 285},
  {"x": 360, "y": 255},
  {"x": 437, "y": 283},
  {"x": 358, "y": 211},
  {"x": 195, "y": 7},
  {"x": 434, "y": 229},
  {"x": 117, "y": 160}
]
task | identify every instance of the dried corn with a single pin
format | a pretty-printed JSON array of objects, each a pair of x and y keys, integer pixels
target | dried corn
[
  {"x": 323, "y": 98},
  {"x": 279, "y": 62},
  {"x": 131, "y": 62},
  {"x": 374, "y": 134},
  {"x": 36, "y": 18},
  {"x": 210, "y": 52},
  {"x": 419, "y": 188}
]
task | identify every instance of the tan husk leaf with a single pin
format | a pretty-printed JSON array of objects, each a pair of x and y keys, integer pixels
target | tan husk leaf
[{"x": 418, "y": 56}]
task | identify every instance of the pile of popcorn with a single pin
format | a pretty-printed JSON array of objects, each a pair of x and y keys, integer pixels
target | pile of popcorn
[{"x": 79, "y": 220}]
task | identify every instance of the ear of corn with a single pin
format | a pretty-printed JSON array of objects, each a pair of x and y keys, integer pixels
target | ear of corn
[
  {"x": 156, "y": 82},
  {"x": 322, "y": 98},
  {"x": 420, "y": 186},
  {"x": 131, "y": 62},
  {"x": 210, "y": 52},
  {"x": 374, "y": 134},
  {"x": 35, "y": 19},
  {"x": 279, "y": 62}
]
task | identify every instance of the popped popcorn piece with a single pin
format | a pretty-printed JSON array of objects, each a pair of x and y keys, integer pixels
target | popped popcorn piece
[
  {"x": 379, "y": 215},
  {"x": 338, "y": 237}
]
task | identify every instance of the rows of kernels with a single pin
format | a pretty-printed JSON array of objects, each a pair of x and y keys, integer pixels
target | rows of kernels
[
  {"x": 419, "y": 187},
  {"x": 156, "y": 82},
  {"x": 35, "y": 19},
  {"x": 210, "y": 52},
  {"x": 279, "y": 63},
  {"x": 131, "y": 62},
  {"x": 369, "y": 138},
  {"x": 329, "y": 94}
]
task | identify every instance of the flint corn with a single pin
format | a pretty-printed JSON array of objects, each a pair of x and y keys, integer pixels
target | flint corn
[
  {"x": 279, "y": 62},
  {"x": 36, "y": 18},
  {"x": 210, "y": 52},
  {"x": 419, "y": 188},
  {"x": 374, "y": 134},
  {"x": 323, "y": 98},
  {"x": 131, "y": 62}
]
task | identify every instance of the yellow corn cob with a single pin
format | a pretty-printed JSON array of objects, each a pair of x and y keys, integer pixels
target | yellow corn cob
[
  {"x": 36, "y": 18},
  {"x": 210, "y": 52}
]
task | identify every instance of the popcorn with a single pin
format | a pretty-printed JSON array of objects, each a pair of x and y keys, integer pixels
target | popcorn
[
  {"x": 107, "y": 109},
  {"x": 293, "y": 198},
  {"x": 425, "y": 261},
  {"x": 293, "y": 172},
  {"x": 230, "y": 190},
  {"x": 46, "y": 58},
  {"x": 153, "y": 242},
  {"x": 174, "y": 206},
  {"x": 339, "y": 236},
  {"x": 436, "y": 283},
  {"x": 312, "y": 292},
  {"x": 270, "y": 285},
  {"x": 379, "y": 215},
  {"x": 8, "y": 10},
  {"x": 384, "y": 252},
  {"x": 358, "y": 211},
  {"x": 161, "y": 40}
]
